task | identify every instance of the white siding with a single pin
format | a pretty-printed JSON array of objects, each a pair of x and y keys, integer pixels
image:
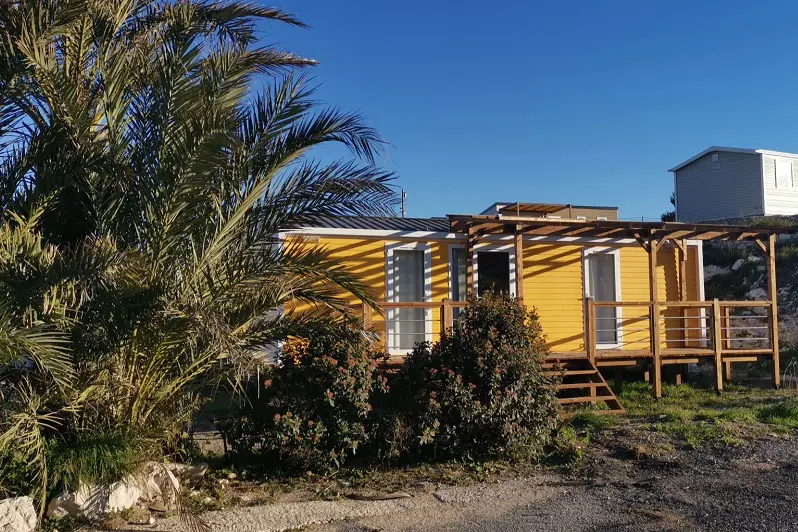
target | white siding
[
  {"x": 779, "y": 200},
  {"x": 728, "y": 188}
]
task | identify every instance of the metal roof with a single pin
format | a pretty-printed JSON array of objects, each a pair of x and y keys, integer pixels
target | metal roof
[{"x": 386, "y": 223}]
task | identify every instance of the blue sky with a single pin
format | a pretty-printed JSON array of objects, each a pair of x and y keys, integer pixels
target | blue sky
[{"x": 580, "y": 102}]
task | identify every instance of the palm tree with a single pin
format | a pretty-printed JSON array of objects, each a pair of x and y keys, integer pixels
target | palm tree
[{"x": 154, "y": 151}]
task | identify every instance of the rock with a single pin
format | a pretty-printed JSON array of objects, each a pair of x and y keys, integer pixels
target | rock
[
  {"x": 757, "y": 294},
  {"x": 192, "y": 473},
  {"x": 157, "y": 507},
  {"x": 711, "y": 271},
  {"x": 161, "y": 484},
  {"x": 123, "y": 495},
  {"x": 738, "y": 264},
  {"x": 17, "y": 515},
  {"x": 92, "y": 501}
]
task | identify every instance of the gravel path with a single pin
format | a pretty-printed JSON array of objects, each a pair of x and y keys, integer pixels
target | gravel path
[{"x": 740, "y": 489}]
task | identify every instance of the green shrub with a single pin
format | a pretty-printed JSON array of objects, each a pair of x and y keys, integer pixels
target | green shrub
[
  {"x": 315, "y": 410},
  {"x": 480, "y": 392}
]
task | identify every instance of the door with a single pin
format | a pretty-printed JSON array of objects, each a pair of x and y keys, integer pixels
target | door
[
  {"x": 602, "y": 286},
  {"x": 408, "y": 325},
  {"x": 493, "y": 268}
]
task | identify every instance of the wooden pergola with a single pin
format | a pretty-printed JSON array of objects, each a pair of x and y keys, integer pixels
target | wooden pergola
[{"x": 651, "y": 236}]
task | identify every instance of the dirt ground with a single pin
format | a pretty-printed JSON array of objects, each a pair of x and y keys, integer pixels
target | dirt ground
[
  {"x": 750, "y": 487},
  {"x": 622, "y": 483}
]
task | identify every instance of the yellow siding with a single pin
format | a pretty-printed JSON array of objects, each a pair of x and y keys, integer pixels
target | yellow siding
[{"x": 553, "y": 284}]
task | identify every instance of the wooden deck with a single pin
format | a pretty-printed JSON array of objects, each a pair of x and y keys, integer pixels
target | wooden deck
[{"x": 684, "y": 332}]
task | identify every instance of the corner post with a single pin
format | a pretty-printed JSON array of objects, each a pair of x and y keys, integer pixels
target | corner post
[
  {"x": 656, "y": 351},
  {"x": 773, "y": 314},
  {"x": 470, "y": 263},
  {"x": 681, "y": 246},
  {"x": 366, "y": 316},
  {"x": 519, "y": 264},
  {"x": 446, "y": 315},
  {"x": 590, "y": 323}
]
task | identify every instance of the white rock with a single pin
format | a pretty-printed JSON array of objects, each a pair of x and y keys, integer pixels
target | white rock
[
  {"x": 123, "y": 495},
  {"x": 17, "y": 515},
  {"x": 738, "y": 264},
  {"x": 93, "y": 501},
  {"x": 161, "y": 483},
  {"x": 192, "y": 473}
]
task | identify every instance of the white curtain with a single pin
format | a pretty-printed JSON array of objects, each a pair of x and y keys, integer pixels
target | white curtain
[
  {"x": 408, "y": 284},
  {"x": 601, "y": 269}
]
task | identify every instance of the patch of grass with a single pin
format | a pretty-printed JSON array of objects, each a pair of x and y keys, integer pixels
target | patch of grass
[
  {"x": 569, "y": 445},
  {"x": 695, "y": 417},
  {"x": 593, "y": 420},
  {"x": 783, "y": 413}
]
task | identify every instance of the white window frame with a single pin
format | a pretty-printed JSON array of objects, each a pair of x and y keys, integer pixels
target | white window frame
[
  {"x": 502, "y": 248},
  {"x": 777, "y": 162},
  {"x": 616, "y": 254},
  {"x": 449, "y": 269},
  {"x": 390, "y": 292}
]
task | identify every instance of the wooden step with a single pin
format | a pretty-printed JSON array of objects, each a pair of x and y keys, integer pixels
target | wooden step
[
  {"x": 580, "y": 385},
  {"x": 575, "y": 372},
  {"x": 586, "y": 399}
]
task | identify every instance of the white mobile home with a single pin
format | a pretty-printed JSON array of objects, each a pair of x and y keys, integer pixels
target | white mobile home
[{"x": 724, "y": 183}]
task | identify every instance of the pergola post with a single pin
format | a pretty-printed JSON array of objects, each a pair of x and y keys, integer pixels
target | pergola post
[
  {"x": 681, "y": 246},
  {"x": 652, "y": 248},
  {"x": 470, "y": 263},
  {"x": 519, "y": 264},
  {"x": 773, "y": 296}
]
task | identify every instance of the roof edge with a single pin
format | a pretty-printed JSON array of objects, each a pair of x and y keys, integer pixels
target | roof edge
[{"x": 730, "y": 150}]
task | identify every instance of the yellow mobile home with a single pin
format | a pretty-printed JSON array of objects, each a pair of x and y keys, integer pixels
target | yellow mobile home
[{"x": 597, "y": 283}]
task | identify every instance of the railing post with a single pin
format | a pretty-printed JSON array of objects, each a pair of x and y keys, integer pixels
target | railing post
[
  {"x": 446, "y": 315},
  {"x": 366, "y": 316},
  {"x": 590, "y": 323},
  {"x": 726, "y": 324},
  {"x": 773, "y": 310},
  {"x": 717, "y": 343},
  {"x": 591, "y": 335}
]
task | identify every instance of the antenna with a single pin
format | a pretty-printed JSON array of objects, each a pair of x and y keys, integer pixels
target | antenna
[{"x": 404, "y": 197}]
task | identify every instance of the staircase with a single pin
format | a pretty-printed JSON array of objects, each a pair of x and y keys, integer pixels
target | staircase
[{"x": 582, "y": 383}]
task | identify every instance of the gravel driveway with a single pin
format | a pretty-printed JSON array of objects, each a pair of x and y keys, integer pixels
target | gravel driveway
[
  {"x": 748, "y": 488},
  {"x": 752, "y": 488}
]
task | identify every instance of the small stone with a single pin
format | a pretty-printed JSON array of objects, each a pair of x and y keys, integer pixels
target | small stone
[
  {"x": 231, "y": 476},
  {"x": 157, "y": 507}
]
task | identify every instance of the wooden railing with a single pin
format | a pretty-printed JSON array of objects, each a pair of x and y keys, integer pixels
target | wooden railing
[{"x": 683, "y": 331}]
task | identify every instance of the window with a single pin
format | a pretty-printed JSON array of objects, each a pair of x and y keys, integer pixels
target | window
[
  {"x": 494, "y": 271},
  {"x": 408, "y": 281},
  {"x": 457, "y": 277},
  {"x": 581, "y": 217},
  {"x": 602, "y": 284},
  {"x": 783, "y": 173},
  {"x": 715, "y": 157},
  {"x": 601, "y": 217},
  {"x": 494, "y": 268}
]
